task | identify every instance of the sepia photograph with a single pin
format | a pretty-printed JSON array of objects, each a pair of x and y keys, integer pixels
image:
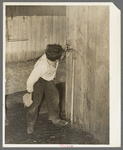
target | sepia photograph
[{"x": 57, "y": 74}]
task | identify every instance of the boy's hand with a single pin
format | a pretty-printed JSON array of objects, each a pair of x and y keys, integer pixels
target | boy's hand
[
  {"x": 29, "y": 92},
  {"x": 66, "y": 47},
  {"x": 63, "y": 55},
  {"x": 27, "y": 99}
]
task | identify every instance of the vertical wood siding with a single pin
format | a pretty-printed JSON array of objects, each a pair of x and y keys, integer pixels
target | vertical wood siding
[
  {"x": 68, "y": 84},
  {"x": 30, "y": 30},
  {"x": 88, "y": 33}
]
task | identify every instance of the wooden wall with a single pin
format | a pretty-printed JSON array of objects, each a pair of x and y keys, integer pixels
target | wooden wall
[
  {"x": 88, "y": 34},
  {"x": 29, "y": 29}
]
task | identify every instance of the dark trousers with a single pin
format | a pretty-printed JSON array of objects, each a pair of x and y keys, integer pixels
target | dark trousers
[{"x": 51, "y": 94}]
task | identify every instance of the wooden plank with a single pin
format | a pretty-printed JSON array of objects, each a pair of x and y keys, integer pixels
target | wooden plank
[
  {"x": 81, "y": 19},
  {"x": 82, "y": 48},
  {"x": 20, "y": 36},
  {"x": 11, "y": 53},
  {"x": 16, "y": 35},
  {"x": 67, "y": 25},
  {"x": 68, "y": 84},
  {"x": 6, "y": 43},
  {"x": 9, "y": 32},
  {"x": 42, "y": 32},
  {"x": 73, "y": 28},
  {"x": 50, "y": 29},
  {"x": 14, "y": 44},
  {"x": 102, "y": 100},
  {"x": 70, "y": 27},
  {"x": 60, "y": 31},
  {"x": 85, "y": 72},
  {"x": 51, "y": 41},
  {"x": 46, "y": 31},
  {"x": 56, "y": 28},
  {"x": 78, "y": 98},
  {"x": 25, "y": 36},
  {"x": 25, "y": 33},
  {"x": 90, "y": 55},
  {"x": 6, "y": 40},
  {"x": 21, "y": 56},
  {"x": 10, "y": 28},
  {"x": 102, "y": 74},
  {"x": 34, "y": 34},
  {"x": 103, "y": 36},
  {"x": 94, "y": 46},
  {"x": 67, "y": 111},
  {"x": 76, "y": 91},
  {"x": 39, "y": 10},
  {"x": 38, "y": 24},
  {"x": 64, "y": 31},
  {"x": 54, "y": 18},
  {"x": 29, "y": 53}
]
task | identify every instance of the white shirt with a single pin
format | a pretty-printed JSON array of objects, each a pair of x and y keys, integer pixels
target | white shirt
[{"x": 41, "y": 69}]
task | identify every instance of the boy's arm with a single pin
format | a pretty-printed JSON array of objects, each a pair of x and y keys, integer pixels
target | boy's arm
[{"x": 34, "y": 76}]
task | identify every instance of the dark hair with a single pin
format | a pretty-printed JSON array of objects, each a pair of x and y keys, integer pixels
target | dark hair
[{"x": 54, "y": 52}]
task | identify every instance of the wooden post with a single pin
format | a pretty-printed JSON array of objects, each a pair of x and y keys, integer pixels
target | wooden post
[{"x": 69, "y": 73}]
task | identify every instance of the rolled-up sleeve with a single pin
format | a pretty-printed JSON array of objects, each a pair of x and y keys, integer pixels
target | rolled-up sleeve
[{"x": 34, "y": 76}]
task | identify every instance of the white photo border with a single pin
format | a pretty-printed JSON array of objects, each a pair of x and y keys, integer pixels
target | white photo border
[{"x": 114, "y": 75}]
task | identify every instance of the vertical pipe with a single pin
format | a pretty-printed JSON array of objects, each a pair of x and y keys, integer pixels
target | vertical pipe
[
  {"x": 72, "y": 96},
  {"x": 66, "y": 92}
]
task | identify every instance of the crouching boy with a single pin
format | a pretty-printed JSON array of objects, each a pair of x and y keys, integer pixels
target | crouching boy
[{"x": 41, "y": 81}]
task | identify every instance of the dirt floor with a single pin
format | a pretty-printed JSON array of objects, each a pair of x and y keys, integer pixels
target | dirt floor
[{"x": 45, "y": 131}]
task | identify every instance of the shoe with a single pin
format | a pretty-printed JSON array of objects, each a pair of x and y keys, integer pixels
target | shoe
[
  {"x": 60, "y": 122},
  {"x": 62, "y": 116},
  {"x": 30, "y": 128}
]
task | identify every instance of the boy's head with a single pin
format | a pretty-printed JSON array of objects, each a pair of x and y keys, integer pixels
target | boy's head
[{"x": 54, "y": 52}]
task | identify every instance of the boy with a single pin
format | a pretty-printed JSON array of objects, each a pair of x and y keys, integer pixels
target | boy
[{"x": 41, "y": 81}]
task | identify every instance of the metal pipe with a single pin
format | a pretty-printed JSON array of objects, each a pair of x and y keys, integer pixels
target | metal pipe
[
  {"x": 72, "y": 94},
  {"x": 72, "y": 91},
  {"x": 73, "y": 70}
]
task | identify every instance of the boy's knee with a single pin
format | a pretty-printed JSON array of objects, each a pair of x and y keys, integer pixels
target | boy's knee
[
  {"x": 32, "y": 111},
  {"x": 56, "y": 101}
]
